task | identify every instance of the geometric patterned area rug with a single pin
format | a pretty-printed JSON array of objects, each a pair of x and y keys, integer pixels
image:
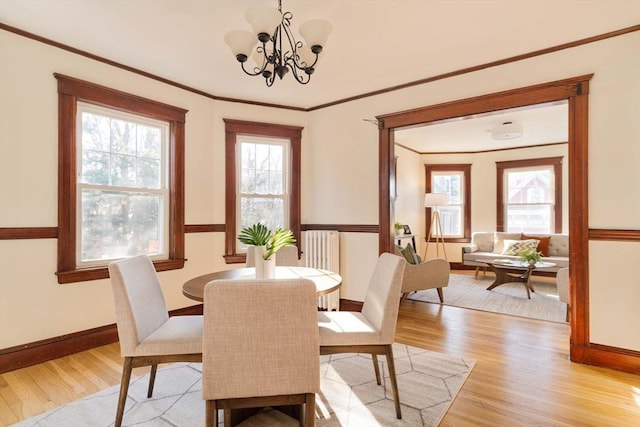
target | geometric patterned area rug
[
  {"x": 466, "y": 291},
  {"x": 427, "y": 383}
]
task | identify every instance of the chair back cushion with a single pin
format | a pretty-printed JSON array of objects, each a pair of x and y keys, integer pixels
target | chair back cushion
[
  {"x": 138, "y": 299},
  {"x": 260, "y": 338},
  {"x": 562, "y": 282},
  {"x": 382, "y": 300},
  {"x": 287, "y": 256}
]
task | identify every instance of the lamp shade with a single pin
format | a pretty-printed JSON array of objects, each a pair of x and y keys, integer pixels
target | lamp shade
[
  {"x": 436, "y": 199},
  {"x": 315, "y": 32},
  {"x": 264, "y": 19},
  {"x": 241, "y": 42}
]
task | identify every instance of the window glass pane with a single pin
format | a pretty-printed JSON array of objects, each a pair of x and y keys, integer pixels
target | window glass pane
[
  {"x": 149, "y": 142},
  {"x": 119, "y": 224},
  {"x": 123, "y": 171},
  {"x": 123, "y": 137},
  {"x": 121, "y": 150},
  {"x": 96, "y": 134},
  {"x": 267, "y": 210},
  {"x": 149, "y": 173},
  {"x": 531, "y": 186},
  {"x": 530, "y": 197},
  {"x": 261, "y": 191},
  {"x": 451, "y": 220},
  {"x": 450, "y": 184},
  {"x": 95, "y": 167},
  {"x": 529, "y": 218}
]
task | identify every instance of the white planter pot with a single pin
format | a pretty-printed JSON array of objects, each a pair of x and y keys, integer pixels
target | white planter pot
[{"x": 265, "y": 268}]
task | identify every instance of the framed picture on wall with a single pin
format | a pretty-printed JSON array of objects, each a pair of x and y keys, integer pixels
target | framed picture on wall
[{"x": 407, "y": 230}]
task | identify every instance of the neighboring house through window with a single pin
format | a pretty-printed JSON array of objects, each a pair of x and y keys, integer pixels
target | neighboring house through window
[
  {"x": 530, "y": 195},
  {"x": 262, "y": 180},
  {"x": 455, "y": 181},
  {"x": 121, "y": 180}
]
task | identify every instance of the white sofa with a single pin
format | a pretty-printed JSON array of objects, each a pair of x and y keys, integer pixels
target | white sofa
[{"x": 489, "y": 245}]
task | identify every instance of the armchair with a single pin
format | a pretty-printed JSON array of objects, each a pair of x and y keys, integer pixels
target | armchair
[{"x": 433, "y": 273}]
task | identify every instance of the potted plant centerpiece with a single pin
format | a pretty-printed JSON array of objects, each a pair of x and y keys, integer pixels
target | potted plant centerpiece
[
  {"x": 266, "y": 243},
  {"x": 529, "y": 256},
  {"x": 399, "y": 228}
]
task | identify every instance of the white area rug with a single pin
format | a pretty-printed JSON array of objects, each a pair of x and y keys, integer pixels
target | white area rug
[
  {"x": 510, "y": 298},
  {"x": 427, "y": 381}
]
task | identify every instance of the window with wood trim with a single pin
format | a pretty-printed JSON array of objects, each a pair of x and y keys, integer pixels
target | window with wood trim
[
  {"x": 121, "y": 180},
  {"x": 529, "y": 195},
  {"x": 455, "y": 181},
  {"x": 262, "y": 180}
]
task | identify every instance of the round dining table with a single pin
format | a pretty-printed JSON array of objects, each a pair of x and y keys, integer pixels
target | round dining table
[{"x": 325, "y": 281}]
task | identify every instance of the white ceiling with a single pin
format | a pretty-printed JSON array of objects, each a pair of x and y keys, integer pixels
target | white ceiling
[
  {"x": 375, "y": 44},
  {"x": 541, "y": 124}
]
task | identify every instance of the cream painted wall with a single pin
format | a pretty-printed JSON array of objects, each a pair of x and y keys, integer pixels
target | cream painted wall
[
  {"x": 339, "y": 181},
  {"x": 409, "y": 206}
]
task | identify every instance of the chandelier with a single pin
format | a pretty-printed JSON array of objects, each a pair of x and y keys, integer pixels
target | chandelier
[{"x": 278, "y": 51}]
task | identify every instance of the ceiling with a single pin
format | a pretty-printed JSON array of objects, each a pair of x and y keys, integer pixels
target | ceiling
[
  {"x": 541, "y": 124},
  {"x": 375, "y": 44}
]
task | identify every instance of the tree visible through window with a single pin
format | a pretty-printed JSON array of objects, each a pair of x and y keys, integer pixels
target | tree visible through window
[
  {"x": 262, "y": 180},
  {"x": 262, "y": 194},
  {"x": 122, "y": 185},
  {"x": 121, "y": 180}
]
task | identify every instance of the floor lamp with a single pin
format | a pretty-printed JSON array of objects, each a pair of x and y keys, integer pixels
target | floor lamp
[{"x": 433, "y": 201}]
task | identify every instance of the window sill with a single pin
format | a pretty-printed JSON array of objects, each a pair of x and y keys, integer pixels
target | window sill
[{"x": 96, "y": 273}]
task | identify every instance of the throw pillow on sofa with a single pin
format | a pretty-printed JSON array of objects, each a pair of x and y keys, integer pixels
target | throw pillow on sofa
[
  {"x": 499, "y": 238},
  {"x": 543, "y": 246},
  {"x": 514, "y": 247}
]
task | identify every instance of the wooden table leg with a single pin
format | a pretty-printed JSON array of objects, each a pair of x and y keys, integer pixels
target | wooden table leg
[{"x": 505, "y": 275}]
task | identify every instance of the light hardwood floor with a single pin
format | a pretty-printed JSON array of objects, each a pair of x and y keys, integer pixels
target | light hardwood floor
[{"x": 522, "y": 375}]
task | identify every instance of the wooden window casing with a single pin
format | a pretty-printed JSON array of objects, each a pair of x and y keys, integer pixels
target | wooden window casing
[
  {"x": 70, "y": 91},
  {"x": 233, "y": 128},
  {"x": 465, "y": 169},
  {"x": 555, "y": 163}
]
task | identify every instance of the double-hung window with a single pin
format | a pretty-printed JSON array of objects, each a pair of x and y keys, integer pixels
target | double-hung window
[
  {"x": 262, "y": 180},
  {"x": 120, "y": 180},
  {"x": 122, "y": 186},
  {"x": 454, "y": 181},
  {"x": 530, "y": 195}
]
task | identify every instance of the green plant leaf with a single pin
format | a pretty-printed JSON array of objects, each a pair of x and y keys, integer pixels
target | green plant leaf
[
  {"x": 279, "y": 239},
  {"x": 256, "y": 235}
]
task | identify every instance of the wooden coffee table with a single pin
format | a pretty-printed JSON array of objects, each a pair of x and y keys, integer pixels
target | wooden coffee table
[{"x": 508, "y": 271}]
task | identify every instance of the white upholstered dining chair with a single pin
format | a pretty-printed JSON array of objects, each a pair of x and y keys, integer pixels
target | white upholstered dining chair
[
  {"x": 373, "y": 329},
  {"x": 148, "y": 336},
  {"x": 287, "y": 256},
  {"x": 562, "y": 283},
  {"x": 255, "y": 356}
]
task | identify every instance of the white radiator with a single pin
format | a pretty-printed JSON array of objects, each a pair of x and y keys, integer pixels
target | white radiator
[{"x": 322, "y": 250}]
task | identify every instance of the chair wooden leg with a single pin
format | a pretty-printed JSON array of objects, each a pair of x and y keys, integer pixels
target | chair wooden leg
[
  {"x": 376, "y": 368},
  {"x": 124, "y": 389},
  {"x": 404, "y": 297},
  {"x": 210, "y": 414},
  {"x": 152, "y": 379},
  {"x": 392, "y": 377},
  {"x": 440, "y": 295},
  {"x": 310, "y": 410}
]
